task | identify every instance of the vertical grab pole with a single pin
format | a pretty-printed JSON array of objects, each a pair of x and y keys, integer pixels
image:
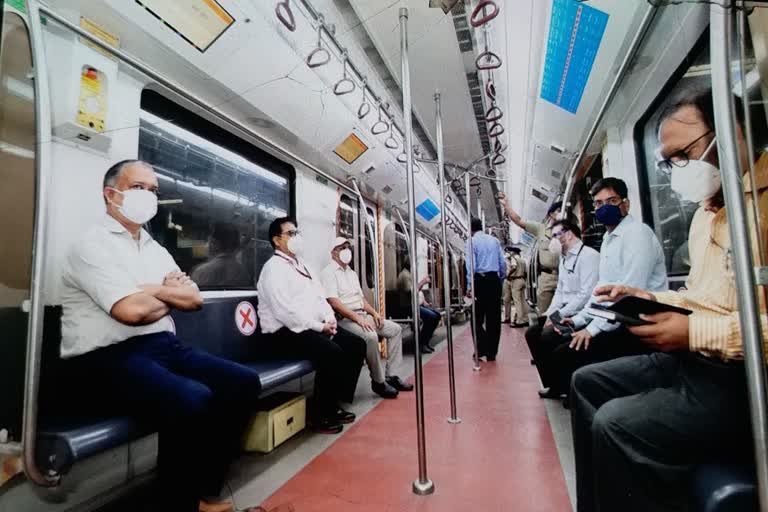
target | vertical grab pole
[
  {"x": 37, "y": 307},
  {"x": 423, "y": 485},
  {"x": 721, "y": 24},
  {"x": 446, "y": 272},
  {"x": 471, "y": 267}
]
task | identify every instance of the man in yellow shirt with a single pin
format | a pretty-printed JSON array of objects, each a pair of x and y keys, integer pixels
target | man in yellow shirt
[{"x": 641, "y": 423}]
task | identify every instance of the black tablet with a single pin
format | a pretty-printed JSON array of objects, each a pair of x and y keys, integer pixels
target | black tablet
[{"x": 628, "y": 309}]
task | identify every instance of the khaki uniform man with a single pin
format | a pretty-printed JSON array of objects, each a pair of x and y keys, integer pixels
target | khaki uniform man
[
  {"x": 506, "y": 293},
  {"x": 516, "y": 278},
  {"x": 548, "y": 261}
]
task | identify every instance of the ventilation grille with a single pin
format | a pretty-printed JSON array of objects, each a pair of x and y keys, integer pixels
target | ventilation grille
[
  {"x": 387, "y": 190},
  {"x": 556, "y": 174},
  {"x": 539, "y": 195}
]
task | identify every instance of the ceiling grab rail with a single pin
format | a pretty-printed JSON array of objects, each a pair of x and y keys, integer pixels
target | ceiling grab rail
[
  {"x": 36, "y": 310},
  {"x": 422, "y": 485},
  {"x": 454, "y": 418},
  {"x": 634, "y": 46},
  {"x": 720, "y": 27},
  {"x": 190, "y": 97},
  {"x": 374, "y": 241}
]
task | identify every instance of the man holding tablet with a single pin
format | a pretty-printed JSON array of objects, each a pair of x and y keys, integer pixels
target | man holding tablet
[{"x": 641, "y": 423}]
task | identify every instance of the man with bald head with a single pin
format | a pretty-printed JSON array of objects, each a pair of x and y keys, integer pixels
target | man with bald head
[{"x": 119, "y": 286}]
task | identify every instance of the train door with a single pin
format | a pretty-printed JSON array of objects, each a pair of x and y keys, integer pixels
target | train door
[{"x": 17, "y": 210}]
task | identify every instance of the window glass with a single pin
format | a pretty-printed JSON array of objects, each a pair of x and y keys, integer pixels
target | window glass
[
  {"x": 347, "y": 212},
  {"x": 370, "y": 252},
  {"x": 215, "y": 205}
]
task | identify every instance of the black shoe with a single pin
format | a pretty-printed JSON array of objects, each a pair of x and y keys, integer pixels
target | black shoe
[
  {"x": 426, "y": 349},
  {"x": 533, "y": 362},
  {"x": 519, "y": 325},
  {"x": 325, "y": 426},
  {"x": 490, "y": 358},
  {"x": 384, "y": 390},
  {"x": 399, "y": 384},
  {"x": 342, "y": 416},
  {"x": 567, "y": 402},
  {"x": 550, "y": 393}
]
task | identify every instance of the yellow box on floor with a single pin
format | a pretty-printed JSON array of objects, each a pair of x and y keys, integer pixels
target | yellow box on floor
[{"x": 283, "y": 415}]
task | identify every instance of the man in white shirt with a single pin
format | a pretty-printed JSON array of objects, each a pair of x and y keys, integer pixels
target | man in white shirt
[
  {"x": 344, "y": 294},
  {"x": 630, "y": 254},
  {"x": 119, "y": 286},
  {"x": 298, "y": 323},
  {"x": 577, "y": 278}
]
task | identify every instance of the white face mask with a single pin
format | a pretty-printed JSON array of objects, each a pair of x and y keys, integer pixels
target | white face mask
[
  {"x": 296, "y": 245},
  {"x": 345, "y": 255},
  {"x": 555, "y": 246},
  {"x": 697, "y": 181},
  {"x": 139, "y": 206}
]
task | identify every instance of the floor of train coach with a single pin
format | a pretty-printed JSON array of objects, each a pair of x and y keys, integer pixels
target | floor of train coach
[{"x": 508, "y": 454}]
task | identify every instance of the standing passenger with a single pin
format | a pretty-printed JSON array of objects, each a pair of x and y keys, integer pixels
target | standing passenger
[
  {"x": 119, "y": 286},
  {"x": 298, "y": 323},
  {"x": 506, "y": 289},
  {"x": 516, "y": 278},
  {"x": 490, "y": 270},
  {"x": 342, "y": 289},
  {"x": 546, "y": 281}
]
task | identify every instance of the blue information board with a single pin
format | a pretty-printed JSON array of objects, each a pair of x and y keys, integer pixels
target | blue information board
[
  {"x": 428, "y": 209},
  {"x": 575, "y": 32}
]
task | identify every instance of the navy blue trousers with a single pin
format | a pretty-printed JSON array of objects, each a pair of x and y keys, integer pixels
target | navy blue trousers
[
  {"x": 198, "y": 402},
  {"x": 430, "y": 319}
]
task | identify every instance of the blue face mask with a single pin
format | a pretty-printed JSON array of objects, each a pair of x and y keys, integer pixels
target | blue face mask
[{"x": 609, "y": 215}]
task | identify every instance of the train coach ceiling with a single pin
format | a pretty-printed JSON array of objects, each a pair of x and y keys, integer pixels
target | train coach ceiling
[{"x": 321, "y": 78}]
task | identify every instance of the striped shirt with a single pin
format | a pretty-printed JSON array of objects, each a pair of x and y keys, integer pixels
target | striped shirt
[{"x": 714, "y": 328}]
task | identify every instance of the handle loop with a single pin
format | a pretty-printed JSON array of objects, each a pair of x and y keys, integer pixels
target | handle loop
[
  {"x": 479, "y": 22},
  {"x": 285, "y": 14},
  {"x": 346, "y": 85},
  {"x": 492, "y": 61}
]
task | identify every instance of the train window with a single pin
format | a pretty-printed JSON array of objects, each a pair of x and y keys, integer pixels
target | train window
[
  {"x": 347, "y": 212},
  {"x": 401, "y": 249},
  {"x": 215, "y": 204},
  {"x": 370, "y": 252},
  {"x": 17, "y": 162}
]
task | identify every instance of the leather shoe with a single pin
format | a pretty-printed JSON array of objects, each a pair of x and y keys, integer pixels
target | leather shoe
[
  {"x": 490, "y": 358},
  {"x": 426, "y": 349},
  {"x": 326, "y": 426},
  {"x": 399, "y": 384},
  {"x": 550, "y": 393},
  {"x": 343, "y": 416},
  {"x": 383, "y": 389},
  {"x": 519, "y": 325},
  {"x": 223, "y": 506}
]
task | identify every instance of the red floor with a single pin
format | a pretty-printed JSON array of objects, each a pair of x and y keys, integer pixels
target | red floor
[{"x": 502, "y": 457}]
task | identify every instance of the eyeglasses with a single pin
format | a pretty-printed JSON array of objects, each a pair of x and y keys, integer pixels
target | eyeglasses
[
  {"x": 678, "y": 158},
  {"x": 291, "y": 233},
  {"x": 614, "y": 201},
  {"x": 559, "y": 233}
]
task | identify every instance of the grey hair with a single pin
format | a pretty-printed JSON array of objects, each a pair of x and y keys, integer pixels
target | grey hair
[{"x": 113, "y": 173}]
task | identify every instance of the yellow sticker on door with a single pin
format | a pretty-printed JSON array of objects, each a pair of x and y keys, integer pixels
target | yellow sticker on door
[{"x": 92, "y": 107}]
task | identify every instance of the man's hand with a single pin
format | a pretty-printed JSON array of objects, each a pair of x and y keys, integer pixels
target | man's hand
[
  {"x": 580, "y": 339},
  {"x": 363, "y": 322},
  {"x": 377, "y": 320},
  {"x": 424, "y": 282},
  {"x": 668, "y": 332},
  {"x": 176, "y": 278},
  {"x": 613, "y": 292},
  {"x": 548, "y": 323},
  {"x": 564, "y": 321},
  {"x": 330, "y": 327}
]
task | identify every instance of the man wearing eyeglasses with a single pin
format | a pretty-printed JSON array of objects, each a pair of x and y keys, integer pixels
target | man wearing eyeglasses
[
  {"x": 298, "y": 323},
  {"x": 578, "y": 276},
  {"x": 641, "y": 424},
  {"x": 630, "y": 253},
  {"x": 119, "y": 286}
]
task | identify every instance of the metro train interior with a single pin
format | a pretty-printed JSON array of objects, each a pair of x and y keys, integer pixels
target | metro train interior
[{"x": 392, "y": 124}]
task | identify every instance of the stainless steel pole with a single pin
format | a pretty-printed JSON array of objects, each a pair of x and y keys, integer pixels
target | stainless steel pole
[
  {"x": 471, "y": 281},
  {"x": 720, "y": 28},
  {"x": 423, "y": 485},
  {"x": 37, "y": 306},
  {"x": 374, "y": 243},
  {"x": 446, "y": 272}
]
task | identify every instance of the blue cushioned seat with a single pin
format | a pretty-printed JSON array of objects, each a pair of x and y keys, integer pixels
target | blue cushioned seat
[
  {"x": 723, "y": 488},
  {"x": 276, "y": 373}
]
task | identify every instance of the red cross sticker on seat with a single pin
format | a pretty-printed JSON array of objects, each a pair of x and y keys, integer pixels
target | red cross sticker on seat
[{"x": 245, "y": 318}]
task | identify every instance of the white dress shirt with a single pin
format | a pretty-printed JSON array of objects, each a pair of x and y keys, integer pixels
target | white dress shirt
[
  {"x": 576, "y": 280},
  {"x": 630, "y": 255},
  {"x": 343, "y": 284},
  {"x": 291, "y": 296},
  {"x": 103, "y": 267}
]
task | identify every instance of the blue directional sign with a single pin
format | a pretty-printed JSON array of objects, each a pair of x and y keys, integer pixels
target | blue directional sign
[{"x": 428, "y": 209}]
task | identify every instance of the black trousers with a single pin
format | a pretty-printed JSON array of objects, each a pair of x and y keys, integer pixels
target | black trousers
[
  {"x": 556, "y": 360},
  {"x": 487, "y": 292},
  {"x": 199, "y": 403},
  {"x": 337, "y": 362},
  {"x": 641, "y": 423}
]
